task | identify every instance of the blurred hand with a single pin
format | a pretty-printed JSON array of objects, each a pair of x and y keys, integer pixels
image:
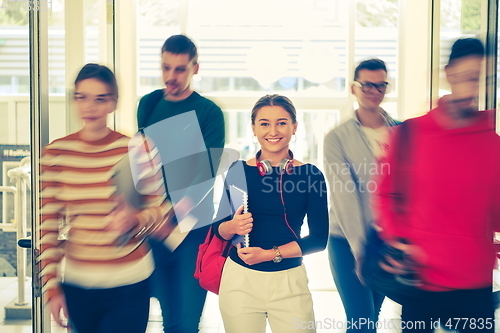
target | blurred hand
[
  {"x": 123, "y": 218},
  {"x": 414, "y": 252},
  {"x": 57, "y": 304},
  {"x": 414, "y": 257},
  {"x": 183, "y": 208},
  {"x": 145, "y": 160},
  {"x": 254, "y": 255},
  {"x": 241, "y": 224},
  {"x": 395, "y": 266},
  {"x": 165, "y": 228}
]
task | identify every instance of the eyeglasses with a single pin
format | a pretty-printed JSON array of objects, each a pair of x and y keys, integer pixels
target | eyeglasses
[{"x": 370, "y": 86}]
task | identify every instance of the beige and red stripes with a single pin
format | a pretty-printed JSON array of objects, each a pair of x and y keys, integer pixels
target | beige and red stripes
[{"x": 77, "y": 186}]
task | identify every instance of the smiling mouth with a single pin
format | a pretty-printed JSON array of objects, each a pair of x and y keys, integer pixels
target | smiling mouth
[{"x": 273, "y": 140}]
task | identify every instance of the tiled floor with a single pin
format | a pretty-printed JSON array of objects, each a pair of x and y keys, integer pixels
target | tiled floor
[{"x": 327, "y": 305}]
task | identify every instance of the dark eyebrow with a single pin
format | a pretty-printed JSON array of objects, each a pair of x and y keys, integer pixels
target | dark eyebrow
[
  {"x": 167, "y": 65},
  {"x": 100, "y": 95},
  {"x": 276, "y": 119}
]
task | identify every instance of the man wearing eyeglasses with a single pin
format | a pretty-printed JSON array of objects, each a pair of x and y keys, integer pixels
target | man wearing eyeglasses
[{"x": 351, "y": 152}]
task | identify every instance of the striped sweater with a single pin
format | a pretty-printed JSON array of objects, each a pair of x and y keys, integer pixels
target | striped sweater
[{"x": 77, "y": 193}]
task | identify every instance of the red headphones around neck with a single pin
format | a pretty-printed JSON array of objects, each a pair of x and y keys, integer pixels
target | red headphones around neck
[{"x": 265, "y": 167}]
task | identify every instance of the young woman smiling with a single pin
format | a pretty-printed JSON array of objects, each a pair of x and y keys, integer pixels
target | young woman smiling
[{"x": 267, "y": 279}]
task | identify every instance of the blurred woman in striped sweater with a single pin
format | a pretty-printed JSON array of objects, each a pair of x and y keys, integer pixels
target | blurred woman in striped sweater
[{"x": 92, "y": 273}]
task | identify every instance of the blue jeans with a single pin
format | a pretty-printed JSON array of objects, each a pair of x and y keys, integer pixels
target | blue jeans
[
  {"x": 179, "y": 293},
  {"x": 122, "y": 309},
  {"x": 361, "y": 304}
]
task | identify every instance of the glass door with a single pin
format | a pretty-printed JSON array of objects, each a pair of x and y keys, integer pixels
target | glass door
[
  {"x": 63, "y": 38},
  {"x": 15, "y": 149},
  {"x": 453, "y": 20}
]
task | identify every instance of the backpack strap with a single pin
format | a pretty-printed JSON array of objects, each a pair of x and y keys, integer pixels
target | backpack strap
[
  {"x": 150, "y": 103},
  {"x": 227, "y": 246}
]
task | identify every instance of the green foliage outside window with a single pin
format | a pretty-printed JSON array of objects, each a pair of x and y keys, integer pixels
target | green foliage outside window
[
  {"x": 471, "y": 16},
  {"x": 382, "y": 13}
]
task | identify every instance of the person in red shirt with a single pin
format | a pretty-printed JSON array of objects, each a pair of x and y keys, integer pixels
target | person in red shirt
[{"x": 451, "y": 203}]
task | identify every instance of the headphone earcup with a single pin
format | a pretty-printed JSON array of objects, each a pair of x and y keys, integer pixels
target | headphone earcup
[
  {"x": 264, "y": 167},
  {"x": 286, "y": 165}
]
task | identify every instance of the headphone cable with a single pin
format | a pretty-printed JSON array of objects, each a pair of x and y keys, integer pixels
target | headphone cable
[{"x": 284, "y": 207}]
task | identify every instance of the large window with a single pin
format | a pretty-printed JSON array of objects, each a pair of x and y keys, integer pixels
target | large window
[
  {"x": 376, "y": 32},
  {"x": 155, "y": 20},
  {"x": 301, "y": 50},
  {"x": 304, "y": 49},
  {"x": 14, "y": 113},
  {"x": 458, "y": 18}
]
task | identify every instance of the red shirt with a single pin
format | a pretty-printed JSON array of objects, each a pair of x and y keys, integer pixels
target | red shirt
[{"x": 453, "y": 199}]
